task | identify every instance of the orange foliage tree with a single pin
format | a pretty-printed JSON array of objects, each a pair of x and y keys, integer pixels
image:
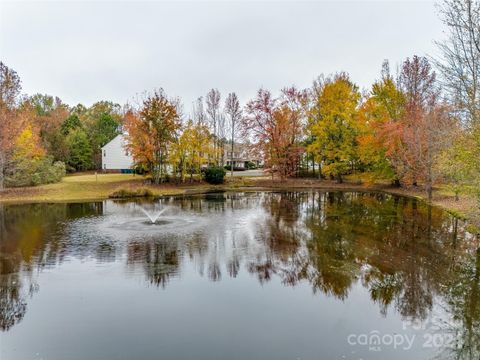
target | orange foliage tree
[
  {"x": 151, "y": 131},
  {"x": 276, "y": 127}
]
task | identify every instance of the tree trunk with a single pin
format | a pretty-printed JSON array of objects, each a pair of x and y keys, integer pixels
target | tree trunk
[
  {"x": 313, "y": 165},
  {"x": 339, "y": 179},
  {"x": 231, "y": 159},
  {"x": 429, "y": 190},
  {"x": 2, "y": 170}
]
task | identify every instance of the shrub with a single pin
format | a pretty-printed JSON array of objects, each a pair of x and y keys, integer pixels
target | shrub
[
  {"x": 38, "y": 171},
  {"x": 214, "y": 175},
  {"x": 130, "y": 193}
]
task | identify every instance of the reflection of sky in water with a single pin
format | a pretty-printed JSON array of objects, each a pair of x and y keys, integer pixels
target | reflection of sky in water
[{"x": 259, "y": 275}]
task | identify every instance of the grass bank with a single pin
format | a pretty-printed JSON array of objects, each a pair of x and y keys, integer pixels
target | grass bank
[
  {"x": 83, "y": 187},
  {"x": 97, "y": 187}
]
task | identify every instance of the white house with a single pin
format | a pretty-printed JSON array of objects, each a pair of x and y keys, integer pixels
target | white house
[{"x": 115, "y": 156}]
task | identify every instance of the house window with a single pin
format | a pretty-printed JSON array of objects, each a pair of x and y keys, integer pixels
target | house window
[{"x": 104, "y": 153}]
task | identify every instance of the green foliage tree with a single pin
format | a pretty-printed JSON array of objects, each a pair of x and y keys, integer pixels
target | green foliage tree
[
  {"x": 105, "y": 128},
  {"x": 456, "y": 163},
  {"x": 72, "y": 122},
  {"x": 80, "y": 150}
]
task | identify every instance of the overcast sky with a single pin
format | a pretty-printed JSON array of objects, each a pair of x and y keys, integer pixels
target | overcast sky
[{"x": 85, "y": 52}]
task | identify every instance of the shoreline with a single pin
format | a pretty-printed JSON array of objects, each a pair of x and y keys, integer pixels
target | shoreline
[{"x": 85, "y": 188}]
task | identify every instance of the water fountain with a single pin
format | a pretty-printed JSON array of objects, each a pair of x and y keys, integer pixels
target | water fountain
[
  {"x": 125, "y": 220},
  {"x": 153, "y": 217}
]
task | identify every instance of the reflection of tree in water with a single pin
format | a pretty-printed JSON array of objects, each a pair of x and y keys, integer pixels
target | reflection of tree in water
[
  {"x": 31, "y": 238},
  {"x": 462, "y": 294},
  {"x": 277, "y": 232},
  {"x": 13, "y": 304},
  {"x": 160, "y": 260},
  {"x": 402, "y": 251},
  {"x": 398, "y": 248}
]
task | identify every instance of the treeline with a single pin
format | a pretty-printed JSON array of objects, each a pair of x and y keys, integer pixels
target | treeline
[
  {"x": 41, "y": 138},
  {"x": 413, "y": 127}
]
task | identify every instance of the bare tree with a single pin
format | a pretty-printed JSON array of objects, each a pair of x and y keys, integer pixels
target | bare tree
[
  {"x": 213, "y": 111},
  {"x": 232, "y": 109},
  {"x": 199, "y": 115},
  {"x": 460, "y": 60},
  {"x": 221, "y": 136}
]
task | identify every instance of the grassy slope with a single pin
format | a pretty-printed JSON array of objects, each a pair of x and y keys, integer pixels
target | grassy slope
[{"x": 80, "y": 187}]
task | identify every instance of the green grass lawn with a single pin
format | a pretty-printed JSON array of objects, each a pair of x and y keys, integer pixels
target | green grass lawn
[{"x": 83, "y": 187}]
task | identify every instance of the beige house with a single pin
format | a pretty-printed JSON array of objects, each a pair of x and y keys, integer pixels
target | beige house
[{"x": 242, "y": 155}]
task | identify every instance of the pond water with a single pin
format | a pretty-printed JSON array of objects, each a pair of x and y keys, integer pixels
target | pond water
[{"x": 255, "y": 275}]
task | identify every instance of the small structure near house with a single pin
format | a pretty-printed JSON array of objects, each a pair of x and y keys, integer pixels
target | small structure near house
[{"x": 115, "y": 157}]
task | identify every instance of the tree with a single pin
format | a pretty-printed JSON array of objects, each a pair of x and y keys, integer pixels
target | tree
[
  {"x": 274, "y": 125},
  {"x": 295, "y": 101},
  {"x": 455, "y": 162},
  {"x": 102, "y": 122},
  {"x": 71, "y": 123},
  {"x": 213, "y": 111},
  {"x": 104, "y": 130},
  {"x": 32, "y": 166},
  {"x": 28, "y": 145},
  {"x": 10, "y": 124},
  {"x": 333, "y": 125},
  {"x": 425, "y": 123},
  {"x": 10, "y": 86},
  {"x": 380, "y": 140},
  {"x": 190, "y": 152},
  {"x": 152, "y": 130},
  {"x": 232, "y": 109},
  {"x": 459, "y": 63},
  {"x": 50, "y": 115},
  {"x": 80, "y": 150}
]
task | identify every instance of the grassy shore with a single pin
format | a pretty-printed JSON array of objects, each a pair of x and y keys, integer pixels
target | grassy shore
[
  {"x": 82, "y": 187},
  {"x": 97, "y": 187}
]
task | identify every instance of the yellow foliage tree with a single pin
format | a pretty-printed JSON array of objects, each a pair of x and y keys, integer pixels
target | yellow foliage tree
[
  {"x": 333, "y": 125},
  {"x": 28, "y": 145}
]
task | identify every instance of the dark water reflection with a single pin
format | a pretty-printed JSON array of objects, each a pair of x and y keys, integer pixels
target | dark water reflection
[{"x": 238, "y": 275}]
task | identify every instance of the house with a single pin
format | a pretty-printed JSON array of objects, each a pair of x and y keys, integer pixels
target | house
[
  {"x": 115, "y": 156},
  {"x": 241, "y": 156}
]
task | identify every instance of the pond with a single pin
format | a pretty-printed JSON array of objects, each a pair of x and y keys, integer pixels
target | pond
[{"x": 246, "y": 275}]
